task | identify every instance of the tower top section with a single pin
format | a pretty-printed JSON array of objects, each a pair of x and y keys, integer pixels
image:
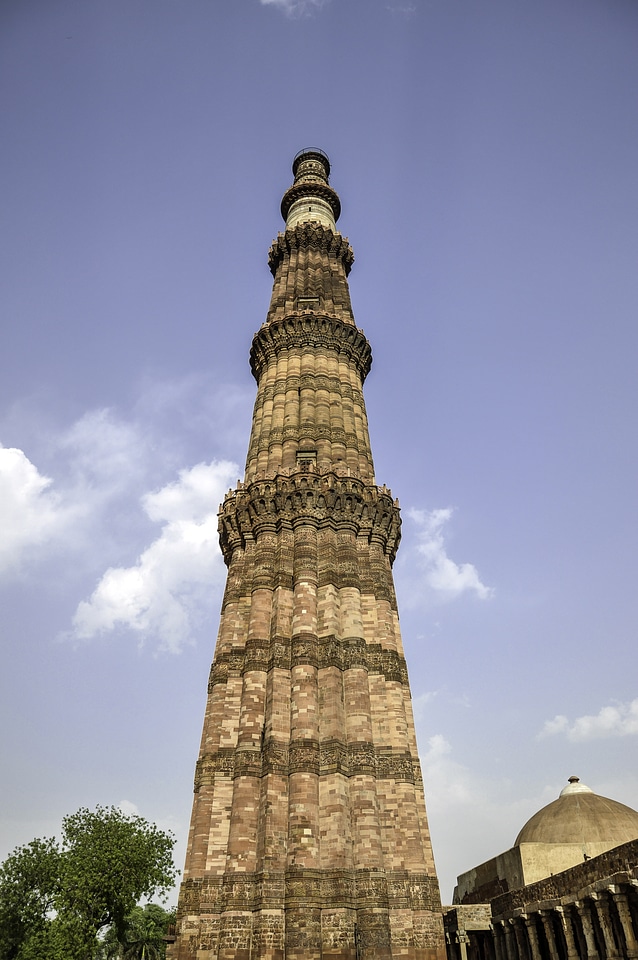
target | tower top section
[
  {"x": 311, "y": 155},
  {"x": 311, "y": 199}
]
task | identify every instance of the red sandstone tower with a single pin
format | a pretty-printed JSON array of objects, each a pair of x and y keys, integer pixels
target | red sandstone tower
[{"x": 309, "y": 836}]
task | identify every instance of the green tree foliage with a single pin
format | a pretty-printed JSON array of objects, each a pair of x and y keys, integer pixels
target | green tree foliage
[
  {"x": 144, "y": 933},
  {"x": 56, "y": 897},
  {"x": 29, "y": 885}
]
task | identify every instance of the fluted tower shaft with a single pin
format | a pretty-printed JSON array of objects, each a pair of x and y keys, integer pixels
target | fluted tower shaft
[{"x": 309, "y": 834}]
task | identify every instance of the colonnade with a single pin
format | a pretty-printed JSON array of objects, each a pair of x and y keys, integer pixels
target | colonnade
[{"x": 599, "y": 922}]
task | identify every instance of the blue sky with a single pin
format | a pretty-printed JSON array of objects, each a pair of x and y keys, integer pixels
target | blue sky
[{"x": 485, "y": 152}]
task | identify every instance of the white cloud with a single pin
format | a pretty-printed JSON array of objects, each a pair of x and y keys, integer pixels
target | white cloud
[
  {"x": 558, "y": 725},
  {"x": 105, "y": 454},
  {"x": 31, "y": 512},
  {"x": 616, "y": 720},
  {"x": 420, "y": 702},
  {"x": 443, "y": 577},
  {"x": 165, "y": 593},
  {"x": 97, "y": 459},
  {"x": 405, "y": 9},
  {"x": 295, "y": 7},
  {"x": 448, "y": 782}
]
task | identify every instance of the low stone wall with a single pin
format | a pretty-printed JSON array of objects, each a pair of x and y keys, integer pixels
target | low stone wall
[
  {"x": 622, "y": 859},
  {"x": 472, "y": 916}
]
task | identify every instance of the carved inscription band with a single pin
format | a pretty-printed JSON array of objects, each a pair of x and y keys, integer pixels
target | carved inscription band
[
  {"x": 312, "y": 888},
  {"x": 285, "y": 654},
  {"x": 307, "y": 756}
]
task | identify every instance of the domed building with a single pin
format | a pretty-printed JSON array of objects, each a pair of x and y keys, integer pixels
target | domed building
[
  {"x": 580, "y": 816},
  {"x": 575, "y": 827},
  {"x": 566, "y": 890}
]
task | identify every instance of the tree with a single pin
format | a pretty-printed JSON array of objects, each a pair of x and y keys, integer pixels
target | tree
[
  {"x": 105, "y": 863},
  {"x": 29, "y": 885},
  {"x": 143, "y": 938},
  {"x": 145, "y": 929}
]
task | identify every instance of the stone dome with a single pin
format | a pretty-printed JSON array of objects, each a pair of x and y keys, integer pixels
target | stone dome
[{"x": 580, "y": 816}]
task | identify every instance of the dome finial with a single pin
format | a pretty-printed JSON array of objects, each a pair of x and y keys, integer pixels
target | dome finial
[{"x": 574, "y": 786}]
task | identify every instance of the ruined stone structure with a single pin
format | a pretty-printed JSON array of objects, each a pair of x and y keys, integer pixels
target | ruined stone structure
[
  {"x": 309, "y": 836},
  {"x": 577, "y": 826},
  {"x": 567, "y": 890},
  {"x": 588, "y": 912}
]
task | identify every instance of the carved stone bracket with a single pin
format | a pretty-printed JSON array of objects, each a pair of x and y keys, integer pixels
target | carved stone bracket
[
  {"x": 324, "y": 500},
  {"x": 310, "y": 235},
  {"x": 308, "y": 330}
]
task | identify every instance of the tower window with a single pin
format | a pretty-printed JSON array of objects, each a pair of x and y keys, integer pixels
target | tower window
[
  {"x": 306, "y": 457},
  {"x": 307, "y": 303}
]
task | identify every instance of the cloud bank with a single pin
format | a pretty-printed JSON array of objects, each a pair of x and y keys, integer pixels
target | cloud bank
[
  {"x": 164, "y": 594},
  {"x": 95, "y": 513},
  {"x": 294, "y": 8},
  {"x": 442, "y": 576},
  {"x": 617, "y": 720},
  {"x": 31, "y": 511}
]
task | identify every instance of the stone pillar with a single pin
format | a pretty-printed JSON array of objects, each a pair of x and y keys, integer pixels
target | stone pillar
[
  {"x": 602, "y": 910},
  {"x": 588, "y": 929},
  {"x": 510, "y": 941},
  {"x": 548, "y": 925},
  {"x": 532, "y": 935},
  {"x": 568, "y": 932},
  {"x": 624, "y": 915},
  {"x": 499, "y": 947},
  {"x": 521, "y": 939},
  {"x": 487, "y": 945}
]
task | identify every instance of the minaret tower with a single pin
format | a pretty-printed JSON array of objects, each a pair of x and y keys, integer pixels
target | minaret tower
[{"x": 309, "y": 837}]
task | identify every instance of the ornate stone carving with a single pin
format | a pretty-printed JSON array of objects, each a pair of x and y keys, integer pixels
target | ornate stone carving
[
  {"x": 364, "y": 890},
  {"x": 322, "y": 499},
  {"x": 306, "y": 756},
  {"x": 362, "y": 759},
  {"x": 248, "y": 762},
  {"x": 400, "y": 768},
  {"x": 303, "y": 756},
  {"x": 310, "y": 331},
  {"x": 304, "y": 650},
  {"x": 324, "y": 652}
]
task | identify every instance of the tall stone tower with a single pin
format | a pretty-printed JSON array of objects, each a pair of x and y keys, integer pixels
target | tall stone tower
[{"x": 309, "y": 837}]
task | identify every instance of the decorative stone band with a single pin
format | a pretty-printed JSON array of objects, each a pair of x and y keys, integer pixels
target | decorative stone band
[
  {"x": 282, "y": 653},
  {"x": 306, "y": 331},
  {"x": 357, "y": 889},
  {"x": 307, "y": 756},
  {"x": 310, "y": 188},
  {"x": 312, "y": 381},
  {"x": 321, "y": 500},
  {"x": 310, "y": 236},
  {"x": 311, "y": 431}
]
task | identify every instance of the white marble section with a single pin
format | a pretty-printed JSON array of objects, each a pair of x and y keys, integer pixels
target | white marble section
[{"x": 311, "y": 209}]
